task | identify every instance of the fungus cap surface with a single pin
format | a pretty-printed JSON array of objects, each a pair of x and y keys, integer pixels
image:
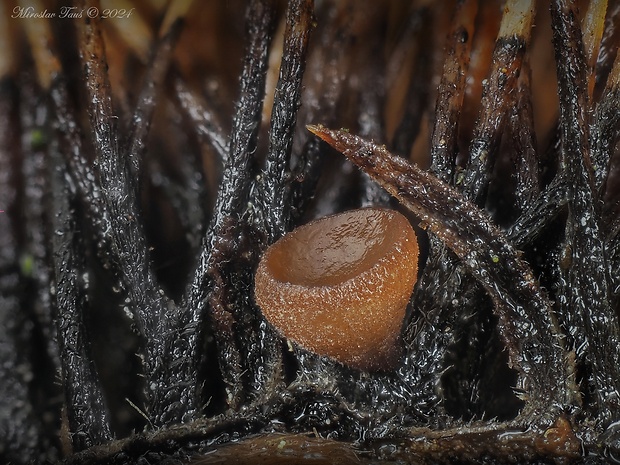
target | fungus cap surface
[{"x": 339, "y": 286}]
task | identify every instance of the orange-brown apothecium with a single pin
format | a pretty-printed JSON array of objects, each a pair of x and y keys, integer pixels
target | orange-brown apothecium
[{"x": 339, "y": 286}]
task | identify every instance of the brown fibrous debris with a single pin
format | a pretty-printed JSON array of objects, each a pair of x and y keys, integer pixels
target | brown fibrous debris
[{"x": 143, "y": 178}]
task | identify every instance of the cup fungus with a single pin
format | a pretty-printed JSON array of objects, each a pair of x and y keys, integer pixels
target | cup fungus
[{"x": 339, "y": 286}]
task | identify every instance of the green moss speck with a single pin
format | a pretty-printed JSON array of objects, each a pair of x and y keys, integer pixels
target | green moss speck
[
  {"x": 26, "y": 265},
  {"x": 38, "y": 139}
]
